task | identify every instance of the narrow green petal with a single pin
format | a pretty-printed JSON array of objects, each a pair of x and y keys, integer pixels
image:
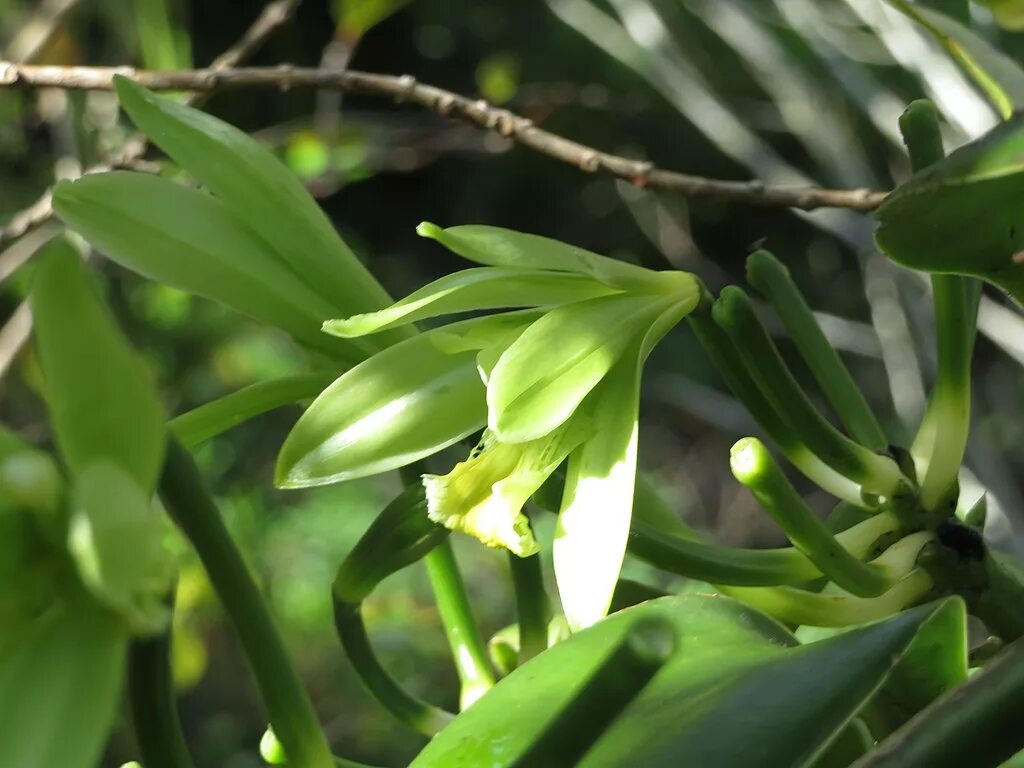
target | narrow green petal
[
  {"x": 499, "y": 247},
  {"x": 404, "y": 403},
  {"x": 484, "y": 495},
  {"x": 547, "y": 372},
  {"x": 473, "y": 289}
]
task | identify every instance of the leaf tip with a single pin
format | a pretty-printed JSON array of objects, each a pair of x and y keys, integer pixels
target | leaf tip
[{"x": 428, "y": 229}]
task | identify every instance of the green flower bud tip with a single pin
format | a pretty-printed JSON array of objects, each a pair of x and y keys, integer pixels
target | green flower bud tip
[
  {"x": 270, "y": 748},
  {"x": 483, "y": 496},
  {"x": 749, "y": 460}
]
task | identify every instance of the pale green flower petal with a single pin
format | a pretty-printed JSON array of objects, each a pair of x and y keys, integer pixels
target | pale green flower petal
[{"x": 484, "y": 495}]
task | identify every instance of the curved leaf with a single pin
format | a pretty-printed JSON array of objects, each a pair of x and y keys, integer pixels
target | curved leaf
[
  {"x": 404, "y": 403},
  {"x": 735, "y": 693},
  {"x": 472, "y": 289},
  {"x": 101, "y": 399},
  {"x": 192, "y": 241},
  {"x": 263, "y": 192}
]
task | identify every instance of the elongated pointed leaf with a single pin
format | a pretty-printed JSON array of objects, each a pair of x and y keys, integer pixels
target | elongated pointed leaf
[
  {"x": 192, "y": 241},
  {"x": 735, "y": 693},
  {"x": 471, "y": 289},
  {"x": 499, "y": 247},
  {"x": 102, "y": 402},
  {"x": 263, "y": 192},
  {"x": 597, "y": 503},
  {"x": 995, "y": 73},
  {"x": 404, "y": 403},
  {"x": 960, "y": 215},
  {"x": 60, "y": 681},
  {"x": 545, "y": 374}
]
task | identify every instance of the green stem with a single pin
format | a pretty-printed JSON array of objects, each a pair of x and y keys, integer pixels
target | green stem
[
  {"x": 771, "y": 278},
  {"x": 748, "y": 567},
  {"x": 468, "y": 650},
  {"x": 288, "y": 707},
  {"x": 644, "y": 649},
  {"x": 152, "y": 701},
  {"x": 735, "y": 315},
  {"x": 418, "y": 715},
  {"x": 727, "y": 361},
  {"x": 942, "y": 437},
  {"x": 532, "y": 605},
  {"x": 220, "y": 415},
  {"x": 754, "y": 466}
]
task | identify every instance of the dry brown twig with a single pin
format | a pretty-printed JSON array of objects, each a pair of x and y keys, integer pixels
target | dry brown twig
[{"x": 477, "y": 112}]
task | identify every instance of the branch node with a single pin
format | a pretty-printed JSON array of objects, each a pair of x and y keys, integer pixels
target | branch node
[
  {"x": 445, "y": 104},
  {"x": 8, "y": 73},
  {"x": 590, "y": 161},
  {"x": 287, "y": 72},
  {"x": 408, "y": 84},
  {"x": 641, "y": 173}
]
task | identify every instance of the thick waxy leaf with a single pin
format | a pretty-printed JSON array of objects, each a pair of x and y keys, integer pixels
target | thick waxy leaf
[
  {"x": 407, "y": 402},
  {"x": 544, "y": 375},
  {"x": 480, "y": 288},
  {"x": 262, "y": 192},
  {"x": 499, "y": 247},
  {"x": 735, "y": 693},
  {"x": 60, "y": 680},
  {"x": 960, "y": 215},
  {"x": 593, "y": 524},
  {"x": 192, "y": 241},
  {"x": 116, "y": 539},
  {"x": 101, "y": 400},
  {"x": 995, "y": 73}
]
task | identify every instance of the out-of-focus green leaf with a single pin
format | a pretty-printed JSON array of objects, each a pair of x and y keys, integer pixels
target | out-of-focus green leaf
[
  {"x": 497, "y": 77},
  {"x": 960, "y": 215},
  {"x": 262, "y": 192},
  {"x": 60, "y": 679},
  {"x": 357, "y": 17},
  {"x": 998, "y": 76},
  {"x": 735, "y": 693},
  {"x": 404, "y": 403},
  {"x": 116, "y": 539},
  {"x": 192, "y": 241},
  {"x": 540, "y": 380},
  {"x": 102, "y": 402},
  {"x": 499, "y": 247},
  {"x": 473, "y": 289},
  {"x": 1007, "y": 13}
]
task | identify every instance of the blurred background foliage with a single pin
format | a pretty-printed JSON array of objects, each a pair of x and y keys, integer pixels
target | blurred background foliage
[{"x": 788, "y": 91}]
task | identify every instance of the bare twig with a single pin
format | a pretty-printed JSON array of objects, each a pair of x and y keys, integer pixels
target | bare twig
[{"x": 475, "y": 111}]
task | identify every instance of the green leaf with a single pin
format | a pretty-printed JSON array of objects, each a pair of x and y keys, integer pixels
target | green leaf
[
  {"x": 116, "y": 539},
  {"x": 404, "y": 403},
  {"x": 597, "y": 503},
  {"x": 1009, "y": 14},
  {"x": 995, "y": 73},
  {"x": 260, "y": 190},
  {"x": 959, "y": 215},
  {"x": 101, "y": 399},
  {"x": 60, "y": 681},
  {"x": 499, "y": 247},
  {"x": 192, "y": 241},
  {"x": 473, "y": 289},
  {"x": 544, "y": 375},
  {"x": 736, "y": 683}
]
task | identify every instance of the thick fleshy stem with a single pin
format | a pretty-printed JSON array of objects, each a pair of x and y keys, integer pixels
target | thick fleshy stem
[
  {"x": 468, "y": 650},
  {"x": 730, "y": 365},
  {"x": 772, "y": 280},
  {"x": 532, "y": 605},
  {"x": 151, "y": 698},
  {"x": 734, "y": 313},
  {"x": 288, "y": 707},
  {"x": 754, "y": 466},
  {"x": 942, "y": 437}
]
